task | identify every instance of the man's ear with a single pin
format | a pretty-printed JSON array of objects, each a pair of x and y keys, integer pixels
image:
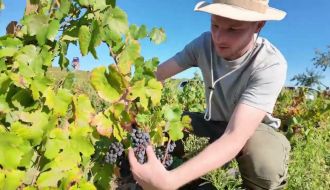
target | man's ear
[{"x": 260, "y": 25}]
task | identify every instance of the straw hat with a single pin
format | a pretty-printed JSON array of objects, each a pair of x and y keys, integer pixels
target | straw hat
[{"x": 243, "y": 10}]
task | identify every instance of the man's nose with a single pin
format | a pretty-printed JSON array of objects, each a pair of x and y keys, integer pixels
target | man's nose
[{"x": 220, "y": 37}]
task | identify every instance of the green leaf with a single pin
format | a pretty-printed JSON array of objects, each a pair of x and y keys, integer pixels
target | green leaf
[
  {"x": 8, "y": 41},
  {"x": 101, "y": 83},
  {"x": 4, "y": 106},
  {"x": 58, "y": 102},
  {"x": 38, "y": 123},
  {"x": 63, "y": 61},
  {"x": 26, "y": 132},
  {"x": 11, "y": 179},
  {"x": 63, "y": 10},
  {"x": 84, "y": 185},
  {"x": 42, "y": 35},
  {"x": 27, "y": 55},
  {"x": 3, "y": 65},
  {"x": 111, "y": 2},
  {"x": 35, "y": 23},
  {"x": 58, "y": 139},
  {"x": 186, "y": 122},
  {"x": 116, "y": 19},
  {"x": 12, "y": 149},
  {"x": 157, "y": 35},
  {"x": 68, "y": 159},
  {"x": 138, "y": 32},
  {"x": 128, "y": 56},
  {"x": 7, "y": 52},
  {"x": 4, "y": 82},
  {"x": 175, "y": 130},
  {"x": 103, "y": 175},
  {"x": 154, "y": 91},
  {"x": 118, "y": 132},
  {"x": 84, "y": 111},
  {"x": 100, "y": 5},
  {"x": 96, "y": 38},
  {"x": 80, "y": 141},
  {"x": 172, "y": 114},
  {"x": 84, "y": 36},
  {"x": 53, "y": 28},
  {"x": 39, "y": 85},
  {"x": 116, "y": 79},
  {"x": 25, "y": 70},
  {"x": 138, "y": 90},
  {"x": 49, "y": 178}
]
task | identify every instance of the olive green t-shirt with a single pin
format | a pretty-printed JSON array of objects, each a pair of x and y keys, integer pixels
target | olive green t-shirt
[{"x": 257, "y": 82}]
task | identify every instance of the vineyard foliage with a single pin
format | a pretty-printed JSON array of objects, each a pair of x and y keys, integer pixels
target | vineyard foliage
[{"x": 53, "y": 135}]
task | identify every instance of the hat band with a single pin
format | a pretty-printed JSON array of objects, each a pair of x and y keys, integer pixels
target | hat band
[{"x": 254, "y": 5}]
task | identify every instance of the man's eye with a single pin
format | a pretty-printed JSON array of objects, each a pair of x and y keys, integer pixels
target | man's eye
[{"x": 214, "y": 26}]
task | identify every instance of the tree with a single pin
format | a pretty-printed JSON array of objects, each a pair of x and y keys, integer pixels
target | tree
[
  {"x": 311, "y": 77},
  {"x": 322, "y": 59}
]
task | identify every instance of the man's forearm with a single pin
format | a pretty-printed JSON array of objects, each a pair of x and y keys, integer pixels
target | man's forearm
[
  {"x": 167, "y": 69},
  {"x": 213, "y": 156}
]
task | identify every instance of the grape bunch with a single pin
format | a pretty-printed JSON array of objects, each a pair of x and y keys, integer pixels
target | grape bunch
[
  {"x": 171, "y": 147},
  {"x": 160, "y": 154},
  {"x": 115, "y": 152},
  {"x": 140, "y": 141}
]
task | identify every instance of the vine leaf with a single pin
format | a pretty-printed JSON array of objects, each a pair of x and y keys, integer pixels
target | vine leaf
[
  {"x": 157, "y": 35},
  {"x": 84, "y": 36},
  {"x": 109, "y": 90}
]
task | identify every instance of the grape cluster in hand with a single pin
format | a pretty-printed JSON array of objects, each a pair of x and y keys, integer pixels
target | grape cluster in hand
[
  {"x": 114, "y": 153},
  {"x": 140, "y": 141}
]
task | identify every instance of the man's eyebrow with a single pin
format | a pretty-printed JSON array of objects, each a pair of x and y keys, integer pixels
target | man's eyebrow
[{"x": 235, "y": 25}]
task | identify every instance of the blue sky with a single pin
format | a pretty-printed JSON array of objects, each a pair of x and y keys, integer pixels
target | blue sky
[{"x": 305, "y": 29}]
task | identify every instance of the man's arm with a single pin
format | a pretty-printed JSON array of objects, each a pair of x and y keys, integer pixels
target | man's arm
[
  {"x": 167, "y": 69},
  {"x": 241, "y": 127}
]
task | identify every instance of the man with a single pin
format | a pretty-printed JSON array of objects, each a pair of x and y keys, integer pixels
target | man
[{"x": 243, "y": 75}]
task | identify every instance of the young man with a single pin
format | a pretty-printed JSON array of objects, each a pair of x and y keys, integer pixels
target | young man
[{"x": 243, "y": 76}]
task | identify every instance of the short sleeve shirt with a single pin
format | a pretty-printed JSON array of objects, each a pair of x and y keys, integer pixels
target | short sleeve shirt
[{"x": 257, "y": 80}]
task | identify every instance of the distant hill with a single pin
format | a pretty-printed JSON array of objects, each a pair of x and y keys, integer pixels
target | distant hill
[{"x": 56, "y": 73}]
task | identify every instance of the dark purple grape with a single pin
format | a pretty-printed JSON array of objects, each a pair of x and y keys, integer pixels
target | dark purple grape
[{"x": 115, "y": 152}]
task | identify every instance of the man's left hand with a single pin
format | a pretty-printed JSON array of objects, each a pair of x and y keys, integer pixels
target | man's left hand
[{"x": 151, "y": 175}]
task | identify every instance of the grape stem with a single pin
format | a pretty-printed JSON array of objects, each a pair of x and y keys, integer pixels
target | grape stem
[{"x": 166, "y": 151}]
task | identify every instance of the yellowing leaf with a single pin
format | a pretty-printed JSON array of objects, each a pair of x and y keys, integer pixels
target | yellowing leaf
[
  {"x": 157, "y": 35},
  {"x": 84, "y": 111},
  {"x": 103, "y": 124},
  {"x": 49, "y": 178},
  {"x": 154, "y": 91},
  {"x": 128, "y": 56},
  {"x": 103, "y": 86},
  {"x": 58, "y": 102}
]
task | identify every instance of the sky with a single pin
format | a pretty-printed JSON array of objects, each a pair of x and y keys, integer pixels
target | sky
[{"x": 305, "y": 29}]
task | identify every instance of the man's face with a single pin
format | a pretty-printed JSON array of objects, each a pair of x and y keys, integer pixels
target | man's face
[{"x": 232, "y": 38}]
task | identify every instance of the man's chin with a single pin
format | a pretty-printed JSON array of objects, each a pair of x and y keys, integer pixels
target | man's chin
[{"x": 224, "y": 54}]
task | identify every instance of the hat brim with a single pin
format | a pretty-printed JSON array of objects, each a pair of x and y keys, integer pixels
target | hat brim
[{"x": 238, "y": 13}]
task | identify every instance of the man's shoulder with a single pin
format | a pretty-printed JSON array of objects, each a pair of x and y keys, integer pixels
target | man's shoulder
[
  {"x": 203, "y": 38},
  {"x": 269, "y": 55}
]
